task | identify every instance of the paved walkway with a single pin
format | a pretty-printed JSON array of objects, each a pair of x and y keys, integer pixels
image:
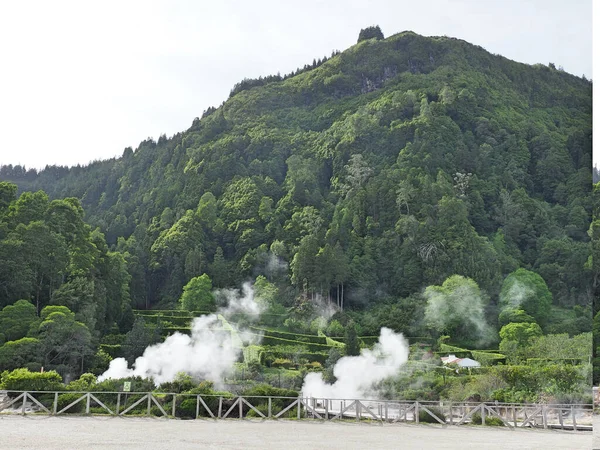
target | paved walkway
[{"x": 60, "y": 433}]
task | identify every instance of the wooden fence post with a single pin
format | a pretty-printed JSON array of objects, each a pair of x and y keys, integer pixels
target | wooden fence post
[
  {"x": 560, "y": 418},
  {"x": 23, "y": 404},
  {"x": 544, "y": 417}
]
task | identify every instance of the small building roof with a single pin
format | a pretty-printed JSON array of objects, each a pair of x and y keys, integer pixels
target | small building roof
[{"x": 460, "y": 362}]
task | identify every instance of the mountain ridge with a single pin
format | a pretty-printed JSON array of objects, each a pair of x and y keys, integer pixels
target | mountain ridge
[{"x": 364, "y": 151}]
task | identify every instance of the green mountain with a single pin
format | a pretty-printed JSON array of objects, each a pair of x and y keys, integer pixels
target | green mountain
[{"x": 366, "y": 177}]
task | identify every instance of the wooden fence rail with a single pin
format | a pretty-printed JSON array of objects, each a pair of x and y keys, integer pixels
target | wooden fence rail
[{"x": 576, "y": 417}]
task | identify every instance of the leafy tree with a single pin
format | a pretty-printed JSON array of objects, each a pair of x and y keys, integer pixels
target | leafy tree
[
  {"x": 78, "y": 296},
  {"x": 508, "y": 315},
  {"x": 24, "y": 352},
  {"x": 521, "y": 333},
  {"x": 197, "y": 295},
  {"x": 335, "y": 329},
  {"x": 16, "y": 319},
  {"x": 65, "y": 343},
  {"x": 456, "y": 308},
  {"x": 516, "y": 337},
  {"x": 8, "y": 194},
  {"x": 526, "y": 290}
]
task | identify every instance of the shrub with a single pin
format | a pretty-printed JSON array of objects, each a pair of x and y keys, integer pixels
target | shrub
[
  {"x": 182, "y": 382},
  {"x": 425, "y": 417},
  {"x": 489, "y": 420},
  {"x": 281, "y": 362},
  {"x": 262, "y": 407},
  {"x": 314, "y": 366},
  {"x": 65, "y": 400},
  {"x": 138, "y": 384},
  {"x": 335, "y": 328},
  {"x": 86, "y": 382},
  {"x": 266, "y": 390},
  {"x": 24, "y": 380},
  {"x": 187, "y": 408},
  {"x": 100, "y": 362}
]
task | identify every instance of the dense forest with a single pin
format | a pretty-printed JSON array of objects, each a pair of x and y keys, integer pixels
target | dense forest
[{"x": 366, "y": 180}]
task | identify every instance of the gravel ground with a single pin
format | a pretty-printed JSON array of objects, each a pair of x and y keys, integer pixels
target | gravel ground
[
  {"x": 596, "y": 442},
  {"x": 61, "y": 433}
]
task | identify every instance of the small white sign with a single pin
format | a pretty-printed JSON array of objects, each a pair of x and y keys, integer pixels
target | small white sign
[{"x": 127, "y": 386}]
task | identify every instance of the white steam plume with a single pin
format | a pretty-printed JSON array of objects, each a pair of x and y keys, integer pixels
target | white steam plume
[
  {"x": 235, "y": 303},
  {"x": 358, "y": 375},
  {"x": 516, "y": 295},
  {"x": 460, "y": 303},
  {"x": 208, "y": 353}
]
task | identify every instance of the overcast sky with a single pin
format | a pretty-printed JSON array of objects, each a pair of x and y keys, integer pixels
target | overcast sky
[{"x": 80, "y": 81}]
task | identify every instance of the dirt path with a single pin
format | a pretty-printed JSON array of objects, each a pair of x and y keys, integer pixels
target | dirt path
[{"x": 60, "y": 433}]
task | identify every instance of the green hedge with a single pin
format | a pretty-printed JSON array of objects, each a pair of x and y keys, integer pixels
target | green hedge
[
  {"x": 170, "y": 312},
  {"x": 271, "y": 340},
  {"x": 303, "y": 338},
  {"x": 320, "y": 357},
  {"x": 171, "y": 320},
  {"x": 170, "y": 330},
  {"x": 113, "y": 339},
  {"x": 568, "y": 361},
  {"x": 24, "y": 380},
  {"x": 488, "y": 358}
]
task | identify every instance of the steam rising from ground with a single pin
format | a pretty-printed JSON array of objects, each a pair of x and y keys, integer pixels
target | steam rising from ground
[
  {"x": 358, "y": 375},
  {"x": 209, "y": 352},
  {"x": 516, "y": 295},
  {"x": 458, "y": 304},
  {"x": 234, "y": 303}
]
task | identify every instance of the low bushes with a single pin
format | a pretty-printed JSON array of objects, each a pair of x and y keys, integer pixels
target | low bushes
[
  {"x": 425, "y": 417},
  {"x": 24, "y": 380},
  {"x": 489, "y": 420},
  {"x": 65, "y": 400}
]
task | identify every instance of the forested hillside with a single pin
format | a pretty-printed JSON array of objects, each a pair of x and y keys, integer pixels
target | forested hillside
[{"x": 364, "y": 179}]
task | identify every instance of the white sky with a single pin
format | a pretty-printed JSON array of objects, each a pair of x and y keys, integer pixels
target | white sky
[{"x": 80, "y": 81}]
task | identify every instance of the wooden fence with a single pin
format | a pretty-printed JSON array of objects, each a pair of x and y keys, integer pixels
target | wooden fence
[{"x": 576, "y": 417}]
